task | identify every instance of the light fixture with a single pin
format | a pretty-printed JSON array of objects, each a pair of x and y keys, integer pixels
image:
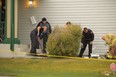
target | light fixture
[{"x": 31, "y": 3}]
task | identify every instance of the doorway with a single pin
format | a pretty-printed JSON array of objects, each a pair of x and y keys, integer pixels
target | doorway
[{"x": 2, "y": 19}]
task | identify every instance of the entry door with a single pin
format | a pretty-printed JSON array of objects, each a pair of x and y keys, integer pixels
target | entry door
[{"x": 2, "y": 19}]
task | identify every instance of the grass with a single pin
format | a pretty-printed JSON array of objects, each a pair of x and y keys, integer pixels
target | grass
[{"x": 54, "y": 67}]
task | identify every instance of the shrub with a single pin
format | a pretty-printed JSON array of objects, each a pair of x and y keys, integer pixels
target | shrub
[{"x": 65, "y": 41}]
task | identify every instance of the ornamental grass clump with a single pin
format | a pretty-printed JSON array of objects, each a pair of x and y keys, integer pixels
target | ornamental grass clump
[{"x": 65, "y": 41}]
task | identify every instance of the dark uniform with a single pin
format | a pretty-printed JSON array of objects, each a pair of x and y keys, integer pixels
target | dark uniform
[
  {"x": 34, "y": 37},
  {"x": 34, "y": 41},
  {"x": 44, "y": 34},
  {"x": 87, "y": 38}
]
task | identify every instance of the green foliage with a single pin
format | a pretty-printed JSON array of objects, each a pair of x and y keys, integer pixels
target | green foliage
[{"x": 65, "y": 41}]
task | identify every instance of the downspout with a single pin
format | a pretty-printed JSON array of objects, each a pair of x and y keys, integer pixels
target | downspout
[{"x": 12, "y": 26}]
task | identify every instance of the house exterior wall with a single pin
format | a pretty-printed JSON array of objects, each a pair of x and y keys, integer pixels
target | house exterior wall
[{"x": 98, "y": 15}]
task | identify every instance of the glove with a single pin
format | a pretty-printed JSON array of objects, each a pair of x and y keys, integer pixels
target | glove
[{"x": 91, "y": 42}]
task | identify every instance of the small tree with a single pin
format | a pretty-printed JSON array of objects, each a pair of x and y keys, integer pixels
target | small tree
[{"x": 65, "y": 41}]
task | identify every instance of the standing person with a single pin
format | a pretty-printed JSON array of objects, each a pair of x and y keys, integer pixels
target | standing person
[
  {"x": 110, "y": 40},
  {"x": 87, "y": 38},
  {"x": 42, "y": 30}
]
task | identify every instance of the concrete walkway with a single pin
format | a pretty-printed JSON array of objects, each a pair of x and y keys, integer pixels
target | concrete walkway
[{"x": 15, "y": 54}]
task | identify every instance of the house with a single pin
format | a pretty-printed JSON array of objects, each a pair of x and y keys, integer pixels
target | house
[{"x": 98, "y": 15}]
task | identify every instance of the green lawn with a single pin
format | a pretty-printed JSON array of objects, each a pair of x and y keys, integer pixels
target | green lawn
[{"x": 54, "y": 67}]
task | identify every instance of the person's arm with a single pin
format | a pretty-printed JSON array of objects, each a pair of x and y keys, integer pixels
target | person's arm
[
  {"x": 106, "y": 39},
  {"x": 50, "y": 29},
  {"x": 92, "y": 36},
  {"x": 82, "y": 39},
  {"x": 39, "y": 28}
]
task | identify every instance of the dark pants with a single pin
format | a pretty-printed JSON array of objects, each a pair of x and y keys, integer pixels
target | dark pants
[
  {"x": 34, "y": 42},
  {"x": 84, "y": 47},
  {"x": 45, "y": 38}
]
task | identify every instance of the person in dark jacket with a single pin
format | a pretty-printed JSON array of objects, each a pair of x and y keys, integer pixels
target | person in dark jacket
[
  {"x": 42, "y": 31},
  {"x": 87, "y": 38}
]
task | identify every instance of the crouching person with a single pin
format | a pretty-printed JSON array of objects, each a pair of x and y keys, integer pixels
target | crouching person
[
  {"x": 34, "y": 41},
  {"x": 110, "y": 40},
  {"x": 42, "y": 31},
  {"x": 87, "y": 39}
]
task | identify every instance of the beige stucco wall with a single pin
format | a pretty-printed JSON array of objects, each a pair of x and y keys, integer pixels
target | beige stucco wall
[
  {"x": 16, "y": 17},
  {"x": 8, "y": 18}
]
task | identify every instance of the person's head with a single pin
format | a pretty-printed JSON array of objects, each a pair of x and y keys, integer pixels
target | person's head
[
  {"x": 68, "y": 23},
  {"x": 44, "y": 20},
  {"x": 85, "y": 29}
]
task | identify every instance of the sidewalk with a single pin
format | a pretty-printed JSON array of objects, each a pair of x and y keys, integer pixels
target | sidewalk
[
  {"x": 15, "y": 54},
  {"x": 25, "y": 54}
]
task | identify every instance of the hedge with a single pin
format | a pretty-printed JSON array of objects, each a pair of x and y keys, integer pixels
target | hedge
[{"x": 65, "y": 41}]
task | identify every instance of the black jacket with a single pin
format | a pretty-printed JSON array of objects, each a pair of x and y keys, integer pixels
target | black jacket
[
  {"x": 41, "y": 30},
  {"x": 89, "y": 36}
]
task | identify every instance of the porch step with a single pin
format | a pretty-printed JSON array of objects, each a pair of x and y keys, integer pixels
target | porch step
[
  {"x": 17, "y": 47},
  {"x": 4, "y": 46},
  {"x": 22, "y": 48},
  {"x": 20, "y": 51}
]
